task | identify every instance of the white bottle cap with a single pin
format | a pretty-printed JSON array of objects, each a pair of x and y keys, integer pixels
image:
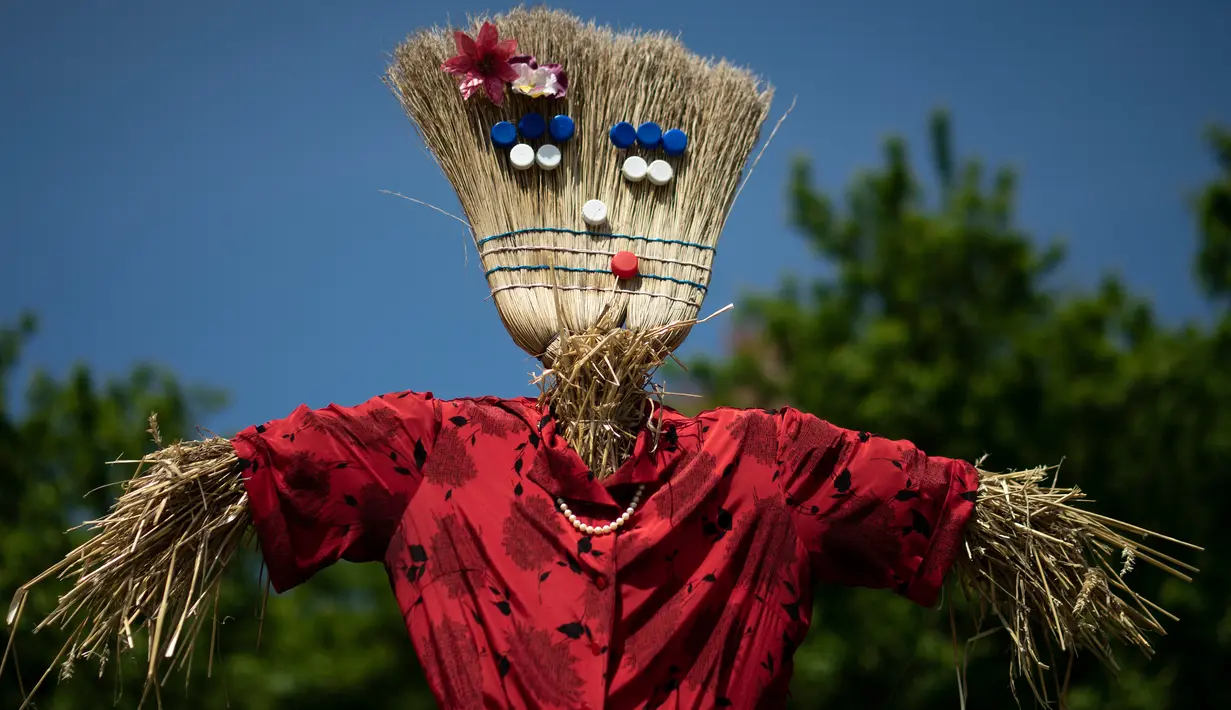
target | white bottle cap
[
  {"x": 594, "y": 212},
  {"x": 548, "y": 156},
  {"x": 660, "y": 172},
  {"x": 522, "y": 156},
  {"x": 634, "y": 168}
]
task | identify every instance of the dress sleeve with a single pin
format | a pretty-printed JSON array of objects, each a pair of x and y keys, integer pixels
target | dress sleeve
[
  {"x": 873, "y": 512},
  {"x": 331, "y": 484}
]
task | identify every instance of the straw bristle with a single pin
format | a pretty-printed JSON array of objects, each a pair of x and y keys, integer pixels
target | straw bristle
[
  {"x": 1047, "y": 571},
  {"x": 600, "y": 389},
  {"x": 155, "y": 560},
  {"x": 613, "y": 77}
]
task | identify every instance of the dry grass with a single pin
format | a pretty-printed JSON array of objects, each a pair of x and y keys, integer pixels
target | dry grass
[
  {"x": 1051, "y": 573},
  {"x": 613, "y": 76},
  {"x": 600, "y": 387},
  {"x": 155, "y": 560}
]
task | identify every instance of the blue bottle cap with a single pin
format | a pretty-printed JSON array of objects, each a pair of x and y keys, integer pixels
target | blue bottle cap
[
  {"x": 531, "y": 126},
  {"x": 623, "y": 135},
  {"x": 675, "y": 141},
  {"x": 649, "y": 134},
  {"x": 561, "y": 128},
  {"x": 504, "y": 134}
]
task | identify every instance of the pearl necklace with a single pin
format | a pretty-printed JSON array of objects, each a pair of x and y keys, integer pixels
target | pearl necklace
[{"x": 609, "y": 527}]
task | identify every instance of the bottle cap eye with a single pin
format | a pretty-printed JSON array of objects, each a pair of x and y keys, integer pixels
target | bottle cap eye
[
  {"x": 561, "y": 128},
  {"x": 532, "y": 126},
  {"x": 504, "y": 134},
  {"x": 660, "y": 172},
  {"x": 522, "y": 156},
  {"x": 674, "y": 141},
  {"x": 623, "y": 135},
  {"x": 547, "y": 157},
  {"x": 649, "y": 135}
]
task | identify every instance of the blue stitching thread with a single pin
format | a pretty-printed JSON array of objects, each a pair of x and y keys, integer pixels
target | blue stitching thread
[
  {"x": 577, "y": 232},
  {"x": 577, "y": 269}
]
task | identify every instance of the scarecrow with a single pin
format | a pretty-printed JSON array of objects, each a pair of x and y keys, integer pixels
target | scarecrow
[{"x": 591, "y": 547}]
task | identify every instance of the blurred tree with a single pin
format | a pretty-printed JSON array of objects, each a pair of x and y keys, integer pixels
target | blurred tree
[
  {"x": 337, "y": 642},
  {"x": 939, "y": 323}
]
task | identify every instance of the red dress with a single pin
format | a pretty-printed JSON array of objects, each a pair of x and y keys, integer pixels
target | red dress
[{"x": 697, "y": 602}]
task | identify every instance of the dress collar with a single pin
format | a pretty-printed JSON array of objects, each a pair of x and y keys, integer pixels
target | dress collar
[{"x": 563, "y": 474}]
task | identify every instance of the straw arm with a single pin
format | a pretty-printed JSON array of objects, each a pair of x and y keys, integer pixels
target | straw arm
[
  {"x": 155, "y": 559},
  {"x": 1039, "y": 563}
]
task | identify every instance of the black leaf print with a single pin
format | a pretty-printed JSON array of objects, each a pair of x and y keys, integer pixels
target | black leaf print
[
  {"x": 474, "y": 614},
  {"x": 504, "y": 608},
  {"x": 244, "y": 464},
  {"x": 520, "y": 446},
  {"x": 502, "y": 665},
  {"x": 842, "y": 482},
  {"x": 906, "y": 494},
  {"x": 588, "y": 634},
  {"x": 769, "y": 663},
  {"x": 448, "y": 494},
  {"x": 814, "y": 510},
  {"x": 402, "y": 470},
  {"x": 350, "y": 500},
  {"x": 402, "y": 395},
  {"x": 543, "y": 422},
  {"x": 971, "y": 496},
  {"x": 864, "y": 436},
  {"x": 472, "y": 438},
  {"x": 517, "y": 467},
  {"x": 495, "y": 591},
  {"x": 671, "y": 438},
  {"x": 584, "y": 545},
  {"x": 708, "y": 528},
  {"x": 562, "y": 564},
  {"x": 919, "y": 524},
  {"x": 574, "y": 565},
  {"x": 341, "y": 464},
  {"x": 723, "y": 702},
  {"x": 543, "y": 577},
  {"x": 792, "y": 610},
  {"x": 420, "y": 454},
  {"x": 393, "y": 455},
  {"x": 770, "y": 412},
  {"x": 414, "y": 572},
  {"x": 896, "y": 464},
  {"x": 790, "y": 587},
  {"x": 709, "y": 578},
  {"x": 573, "y": 630},
  {"x": 791, "y": 501},
  {"x": 260, "y": 428},
  {"x": 418, "y": 554},
  {"x": 730, "y": 468},
  {"x": 458, "y": 421},
  {"x": 596, "y": 553},
  {"x": 724, "y": 520},
  {"x": 534, "y": 440}
]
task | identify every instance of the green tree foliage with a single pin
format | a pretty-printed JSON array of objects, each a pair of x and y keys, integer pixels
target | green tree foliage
[
  {"x": 337, "y": 642},
  {"x": 940, "y": 323}
]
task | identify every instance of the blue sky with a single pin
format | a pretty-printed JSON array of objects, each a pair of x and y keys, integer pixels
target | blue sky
[{"x": 197, "y": 184}]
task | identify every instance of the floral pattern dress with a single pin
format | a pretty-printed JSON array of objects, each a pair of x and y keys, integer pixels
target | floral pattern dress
[{"x": 697, "y": 602}]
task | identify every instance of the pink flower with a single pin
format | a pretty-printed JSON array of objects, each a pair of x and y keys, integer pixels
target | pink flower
[
  {"x": 483, "y": 64},
  {"x": 536, "y": 81}
]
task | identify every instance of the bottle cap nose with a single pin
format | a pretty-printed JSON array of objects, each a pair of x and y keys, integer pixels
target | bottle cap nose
[{"x": 594, "y": 212}]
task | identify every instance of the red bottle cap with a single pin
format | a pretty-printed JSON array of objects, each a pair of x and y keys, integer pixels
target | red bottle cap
[{"x": 624, "y": 265}]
